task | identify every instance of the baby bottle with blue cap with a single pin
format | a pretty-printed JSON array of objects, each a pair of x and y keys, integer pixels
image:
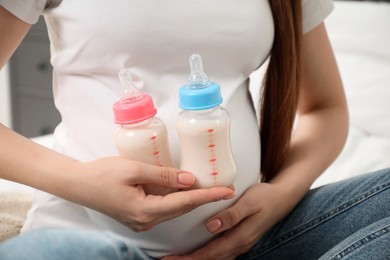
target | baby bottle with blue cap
[
  {"x": 140, "y": 136},
  {"x": 203, "y": 127}
]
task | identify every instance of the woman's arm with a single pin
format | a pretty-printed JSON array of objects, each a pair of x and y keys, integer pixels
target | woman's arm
[
  {"x": 317, "y": 140},
  {"x": 103, "y": 184},
  {"x": 322, "y": 125}
]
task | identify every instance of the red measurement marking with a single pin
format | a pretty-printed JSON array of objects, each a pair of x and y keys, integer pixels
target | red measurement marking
[
  {"x": 212, "y": 156},
  {"x": 156, "y": 152}
]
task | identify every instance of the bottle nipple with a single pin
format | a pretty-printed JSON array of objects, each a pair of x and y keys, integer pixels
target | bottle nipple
[
  {"x": 130, "y": 91},
  {"x": 197, "y": 77}
]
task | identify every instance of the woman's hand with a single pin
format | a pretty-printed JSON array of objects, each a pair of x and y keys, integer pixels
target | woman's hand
[
  {"x": 114, "y": 186},
  {"x": 111, "y": 185},
  {"x": 243, "y": 224}
]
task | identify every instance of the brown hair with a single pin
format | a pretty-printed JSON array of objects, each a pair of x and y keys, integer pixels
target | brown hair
[{"x": 280, "y": 93}]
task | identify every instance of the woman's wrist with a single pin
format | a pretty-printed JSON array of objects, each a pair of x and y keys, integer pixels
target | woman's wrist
[{"x": 62, "y": 177}]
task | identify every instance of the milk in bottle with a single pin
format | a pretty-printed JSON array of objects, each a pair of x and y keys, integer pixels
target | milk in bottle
[
  {"x": 203, "y": 127},
  {"x": 141, "y": 136}
]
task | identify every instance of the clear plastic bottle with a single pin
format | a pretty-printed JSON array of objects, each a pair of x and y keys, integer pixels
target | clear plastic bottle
[
  {"x": 203, "y": 127},
  {"x": 141, "y": 136}
]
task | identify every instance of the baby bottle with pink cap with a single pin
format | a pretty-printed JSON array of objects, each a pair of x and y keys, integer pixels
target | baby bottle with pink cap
[
  {"x": 141, "y": 136},
  {"x": 203, "y": 127}
]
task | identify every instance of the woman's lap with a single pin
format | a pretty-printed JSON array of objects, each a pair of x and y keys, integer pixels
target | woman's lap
[
  {"x": 60, "y": 244},
  {"x": 345, "y": 219},
  {"x": 327, "y": 216}
]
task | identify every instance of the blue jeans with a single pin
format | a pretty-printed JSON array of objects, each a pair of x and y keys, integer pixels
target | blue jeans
[
  {"x": 61, "y": 244},
  {"x": 344, "y": 220}
]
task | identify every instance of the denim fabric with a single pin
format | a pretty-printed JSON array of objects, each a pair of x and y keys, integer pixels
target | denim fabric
[
  {"x": 331, "y": 218},
  {"x": 344, "y": 220},
  {"x": 372, "y": 242},
  {"x": 61, "y": 244}
]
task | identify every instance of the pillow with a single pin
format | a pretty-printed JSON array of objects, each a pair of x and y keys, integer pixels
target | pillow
[{"x": 360, "y": 35}]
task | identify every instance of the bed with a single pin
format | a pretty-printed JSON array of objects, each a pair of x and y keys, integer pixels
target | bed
[{"x": 359, "y": 31}]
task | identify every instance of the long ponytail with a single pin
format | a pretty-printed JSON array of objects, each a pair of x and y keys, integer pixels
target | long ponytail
[{"x": 281, "y": 86}]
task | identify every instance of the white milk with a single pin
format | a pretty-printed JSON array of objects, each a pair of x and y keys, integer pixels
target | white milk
[
  {"x": 146, "y": 142},
  {"x": 205, "y": 147}
]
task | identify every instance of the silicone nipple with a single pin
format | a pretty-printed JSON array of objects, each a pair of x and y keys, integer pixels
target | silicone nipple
[
  {"x": 130, "y": 91},
  {"x": 197, "y": 77}
]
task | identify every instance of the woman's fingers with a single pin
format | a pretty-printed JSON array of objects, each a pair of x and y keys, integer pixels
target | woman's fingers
[
  {"x": 154, "y": 209},
  {"x": 231, "y": 244},
  {"x": 179, "y": 203},
  {"x": 161, "y": 175},
  {"x": 233, "y": 215}
]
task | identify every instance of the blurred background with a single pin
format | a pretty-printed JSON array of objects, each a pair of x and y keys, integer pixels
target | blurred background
[{"x": 26, "y": 103}]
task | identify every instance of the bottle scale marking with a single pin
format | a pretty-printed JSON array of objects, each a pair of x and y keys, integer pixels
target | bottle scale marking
[
  {"x": 155, "y": 151},
  {"x": 212, "y": 154}
]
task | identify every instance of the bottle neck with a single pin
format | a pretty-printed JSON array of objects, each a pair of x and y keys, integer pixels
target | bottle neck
[
  {"x": 203, "y": 111},
  {"x": 138, "y": 124}
]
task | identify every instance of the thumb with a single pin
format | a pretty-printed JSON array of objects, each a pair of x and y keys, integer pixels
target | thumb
[{"x": 163, "y": 176}]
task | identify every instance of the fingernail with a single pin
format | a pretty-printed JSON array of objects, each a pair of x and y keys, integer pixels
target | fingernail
[
  {"x": 230, "y": 196},
  {"x": 185, "y": 178},
  {"x": 214, "y": 225}
]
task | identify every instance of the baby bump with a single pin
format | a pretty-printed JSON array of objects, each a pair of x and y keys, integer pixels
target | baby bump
[
  {"x": 177, "y": 236},
  {"x": 188, "y": 232}
]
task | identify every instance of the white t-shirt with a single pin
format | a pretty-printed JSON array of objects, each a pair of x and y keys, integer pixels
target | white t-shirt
[{"x": 92, "y": 40}]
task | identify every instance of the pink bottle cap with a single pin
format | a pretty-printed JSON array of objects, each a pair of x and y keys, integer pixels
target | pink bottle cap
[{"x": 133, "y": 107}]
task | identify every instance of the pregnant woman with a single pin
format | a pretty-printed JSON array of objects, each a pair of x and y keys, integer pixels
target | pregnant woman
[{"x": 95, "y": 205}]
